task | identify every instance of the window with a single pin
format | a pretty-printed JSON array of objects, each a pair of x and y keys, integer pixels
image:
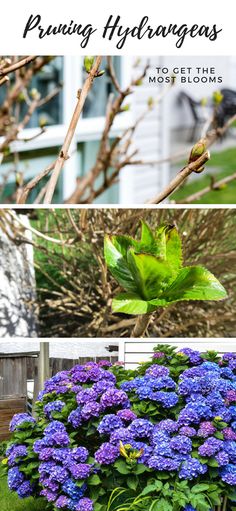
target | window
[{"x": 39, "y": 152}]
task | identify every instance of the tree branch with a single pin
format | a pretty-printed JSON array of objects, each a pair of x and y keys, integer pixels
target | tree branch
[{"x": 82, "y": 95}]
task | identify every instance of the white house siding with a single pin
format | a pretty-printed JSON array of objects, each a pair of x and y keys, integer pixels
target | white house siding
[
  {"x": 133, "y": 352},
  {"x": 224, "y": 66},
  {"x": 140, "y": 182}
]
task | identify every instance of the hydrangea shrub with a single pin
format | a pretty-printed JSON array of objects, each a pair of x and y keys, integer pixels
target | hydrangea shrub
[{"x": 162, "y": 436}]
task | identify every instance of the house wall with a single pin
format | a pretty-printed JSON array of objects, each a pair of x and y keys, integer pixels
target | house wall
[
  {"x": 224, "y": 66},
  {"x": 133, "y": 352},
  {"x": 140, "y": 182}
]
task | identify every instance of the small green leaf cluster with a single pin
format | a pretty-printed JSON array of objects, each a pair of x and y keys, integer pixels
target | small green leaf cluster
[{"x": 152, "y": 273}]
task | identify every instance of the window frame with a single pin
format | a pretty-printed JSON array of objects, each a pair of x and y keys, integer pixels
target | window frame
[{"x": 88, "y": 129}]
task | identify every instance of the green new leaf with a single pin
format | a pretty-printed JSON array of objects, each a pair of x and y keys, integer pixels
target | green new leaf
[
  {"x": 129, "y": 303},
  {"x": 117, "y": 263},
  {"x": 194, "y": 283},
  {"x": 152, "y": 275},
  {"x": 174, "y": 249}
]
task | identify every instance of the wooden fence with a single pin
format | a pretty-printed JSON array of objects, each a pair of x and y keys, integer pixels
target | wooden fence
[{"x": 16, "y": 371}]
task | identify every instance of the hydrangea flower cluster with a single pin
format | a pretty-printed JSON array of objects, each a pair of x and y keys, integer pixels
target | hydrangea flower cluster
[{"x": 178, "y": 422}]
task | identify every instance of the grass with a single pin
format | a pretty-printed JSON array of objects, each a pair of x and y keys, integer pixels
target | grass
[
  {"x": 11, "y": 502},
  {"x": 226, "y": 162}
]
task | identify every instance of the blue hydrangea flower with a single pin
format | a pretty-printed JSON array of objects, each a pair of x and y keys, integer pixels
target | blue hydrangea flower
[
  {"x": 109, "y": 423},
  {"x": 192, "y": 468},
  {"x": 228, "y": 474},
  {"x": 20, "y": 418}
]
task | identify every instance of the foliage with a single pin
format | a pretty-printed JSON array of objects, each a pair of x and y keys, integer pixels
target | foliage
[
  {"x": 160, "y": 437},
  {"x": 151, "y": 271}
]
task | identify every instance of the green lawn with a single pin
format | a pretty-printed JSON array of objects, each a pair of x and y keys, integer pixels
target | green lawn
[
  {"x": 226, "y": 161},
  {"x": 10, "y": 502}
]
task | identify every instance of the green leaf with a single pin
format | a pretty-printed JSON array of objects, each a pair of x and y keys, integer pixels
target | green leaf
[
  {"x": 129, "y": 303},
  {"x": 150, "y": 274},
  {"x": 150, "y": 488},
  {"x": 132, "y": 481},
  {"x": 198, "y": 488},
  {"x": 117, "y": 265},
  {"x": 94, "y": 480},
  {"x": 122, "y": 467},
  {"x": 193, "y": 283},
  {"x": 140, "y": 468},
  {"x": 174, "y": 249}
]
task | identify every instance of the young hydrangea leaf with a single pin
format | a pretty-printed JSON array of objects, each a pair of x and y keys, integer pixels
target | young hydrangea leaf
[
  {"x": 123, "y": 243},
  {"x": 192, "y": 283},
  {"x": 151, "y": 275},
  {"x": 118, "y": 266},
  {"x": 160, "y": 237},
  {"x": 147, "y": 244},
  {"x": 130, "y": 303},
  {"x": 174, "y": 249}
]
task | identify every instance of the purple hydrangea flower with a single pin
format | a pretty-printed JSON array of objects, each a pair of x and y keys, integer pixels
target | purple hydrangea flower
[
  {"x": 181, "y": 444},
  {"x": 75, "y": 418},
  {"x": 49, "y": 495},
  {"x": 55, "y": 406},
  {"x": 62, "y": 502},
  {"x": 126, "y": 415},
  {"x": 210, "y": 447},
  {"x": 91, "y": 409},
  {"x": 193, "y": 355},
  {"x": 187, "y": 431},
  {"x": 20, "y": 418},
  {"x": 162, "y": 463},
  {"x": 80, "y": 470},
  {"x": 121, "y": 435},
  {"x": 109, "y": 423},
  {"x": 222, "y": 458},
  {"x": 86, "y": 395},
  {"x": 140, "y": 428},
  {"x": 158, "y": 354},
  {"x": 80, "y": 454},
  {"x": 85, "y": 504},
  {"x": 14, "y": 452},
  {"x": 156, "y": 371},
  {"x": 107, "y": 454},
  {"x": 168, "y": 425},
  {"x": 113, "y": 397},
  {"x": 206, "y": 429},
  {"x": 54, "y": 427}
]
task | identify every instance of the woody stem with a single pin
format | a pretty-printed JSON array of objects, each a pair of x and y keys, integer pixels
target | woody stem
[{"x": 141, "y": 325}]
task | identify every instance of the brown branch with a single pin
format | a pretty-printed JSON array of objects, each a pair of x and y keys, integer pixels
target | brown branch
[
  {"x": 17, "y": 65},
  {"x": 214, "y": 186},
  {"x": 180, "y": 178},
  {"x": 82, "y": 95},
  {"x": 23, "y": 193},
  {"x": 106, "y": 151},
  {"x": 210, "y": 139},
  {"x": 112, "y": 74},
  {"x": 141, "y": 325}
]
